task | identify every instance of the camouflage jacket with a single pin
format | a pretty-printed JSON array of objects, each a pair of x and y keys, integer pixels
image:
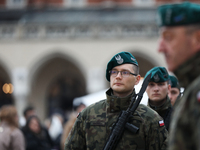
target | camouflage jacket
[
  {"x": 94, "y": 124},
  {"x": 185, "y": 124},
  {"x": 164, "y": 111}
]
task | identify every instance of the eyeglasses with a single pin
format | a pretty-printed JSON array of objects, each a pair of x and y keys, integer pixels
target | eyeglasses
[{"x": 114, "y": 73}]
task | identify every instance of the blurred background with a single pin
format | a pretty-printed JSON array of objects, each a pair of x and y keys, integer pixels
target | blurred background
[{"x": 52, "y": 51}]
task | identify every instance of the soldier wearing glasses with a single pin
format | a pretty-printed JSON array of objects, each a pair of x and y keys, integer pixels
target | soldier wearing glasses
[{"x": 94, "y": 123}]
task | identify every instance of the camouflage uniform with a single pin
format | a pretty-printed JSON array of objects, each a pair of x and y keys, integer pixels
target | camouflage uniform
[
  {"x": 164, "y": 111},
  {"x": 185, "y": 126},
  {"x": 93, "y": 126}
]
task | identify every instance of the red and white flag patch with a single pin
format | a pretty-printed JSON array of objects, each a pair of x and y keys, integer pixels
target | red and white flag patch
[
  {"x": 161, "y": 123},
  {"x": 78, "y": 115}
]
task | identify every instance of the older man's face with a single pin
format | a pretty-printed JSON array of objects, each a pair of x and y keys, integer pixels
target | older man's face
[{"x": 176, "y": 45}]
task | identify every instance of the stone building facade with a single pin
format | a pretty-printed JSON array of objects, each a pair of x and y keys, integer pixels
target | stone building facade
[{"x": 55, "y": 51}]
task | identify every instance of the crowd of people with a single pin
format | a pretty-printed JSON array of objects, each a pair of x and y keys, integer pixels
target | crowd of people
[
  {"x": 34, "y": 134},
  {"x": 170, "y": 120}
]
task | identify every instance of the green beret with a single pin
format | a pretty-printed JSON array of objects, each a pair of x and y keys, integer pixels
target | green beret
[
  {"x": 119, "y": 59},
  {"x": 158, "y": 74},
  {"x": 185, "y": 13},
  {"x": 174, "y": 82}
]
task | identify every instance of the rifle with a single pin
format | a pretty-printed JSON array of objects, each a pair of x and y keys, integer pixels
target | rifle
[{"x": 122, "y": 121}]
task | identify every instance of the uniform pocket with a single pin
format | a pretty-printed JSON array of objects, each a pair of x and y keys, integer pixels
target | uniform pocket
[{"x": 95, "y": 134}]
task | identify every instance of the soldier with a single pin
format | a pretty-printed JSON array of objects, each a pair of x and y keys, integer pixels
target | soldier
[
  {"x": 174, "y": 94},
  {"x": 157, "y": 91},
  {"x": 94, "y": 123},
  {"x": 180, "y": 44}
]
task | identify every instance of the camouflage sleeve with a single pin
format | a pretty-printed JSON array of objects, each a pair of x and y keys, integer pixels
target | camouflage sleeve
[
  {"x": 76, "y": 138},
  {"x": 158, "y": 135}
]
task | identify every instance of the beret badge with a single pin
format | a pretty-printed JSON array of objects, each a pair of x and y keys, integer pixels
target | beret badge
[
  {"x": 156, "y": 78},
  {"x": 133, "y": 59},
  {"x": 168, "y": 16},
  {"x": 119, "y": 59}
]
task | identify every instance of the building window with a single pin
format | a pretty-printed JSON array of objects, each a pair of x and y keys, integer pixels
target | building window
[
  {"x": 31, "y": 32},
  {"x": 58, "y": 31},
  {"x": 7, "y": 31},
  {"x": 15, "y": 4}
]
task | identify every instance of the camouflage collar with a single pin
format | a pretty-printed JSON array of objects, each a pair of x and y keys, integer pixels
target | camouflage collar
[
  {"x": 164, "y": 106},
  {"x": 116, "y": 104},
  {"x": 188, "y": 71}
]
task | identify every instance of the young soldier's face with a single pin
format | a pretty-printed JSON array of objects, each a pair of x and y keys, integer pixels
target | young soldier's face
[
  {"x": 123, "y": 86},
  {"x": 157, "y": 91},
  {"x": 173, "y": 94},
  {"x": 177, "y": 45}
]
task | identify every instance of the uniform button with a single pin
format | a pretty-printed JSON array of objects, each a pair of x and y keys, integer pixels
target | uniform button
[
  {"x": 112, "y": 110},
  {"x": 110, "y": 128},
  {"x": 112, "y": 100}
]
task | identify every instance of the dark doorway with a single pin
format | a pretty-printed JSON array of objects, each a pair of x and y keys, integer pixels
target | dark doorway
[{"x": 5, "y": 88}]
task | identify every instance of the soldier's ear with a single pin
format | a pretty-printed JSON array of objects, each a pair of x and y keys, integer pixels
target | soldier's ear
[
  {"x": 137, "y": 79},
  {"x": 169, "y": 88},
  {"x": 198, "y": 36}
]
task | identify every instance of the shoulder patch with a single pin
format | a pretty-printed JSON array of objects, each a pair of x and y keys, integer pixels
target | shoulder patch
[
  {"x": 161, "y": 123},
  {"x": 78, "y": 115}
]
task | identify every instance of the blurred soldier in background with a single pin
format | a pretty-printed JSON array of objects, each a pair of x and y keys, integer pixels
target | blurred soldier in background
[
  {"x": 180, "y": 44},
  {"x": 157, "y": 91},
  {"x": 175, "y": 93}
]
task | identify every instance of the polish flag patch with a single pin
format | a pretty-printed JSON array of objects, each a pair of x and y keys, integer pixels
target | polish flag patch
[
  {"x": 77, "y": 115},
  {"x": 161, "y": 123}
]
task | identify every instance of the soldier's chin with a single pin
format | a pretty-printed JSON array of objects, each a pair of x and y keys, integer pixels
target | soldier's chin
[
  {"x": 156, "y": 99},
  {"x": 117, "y": 89}
]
